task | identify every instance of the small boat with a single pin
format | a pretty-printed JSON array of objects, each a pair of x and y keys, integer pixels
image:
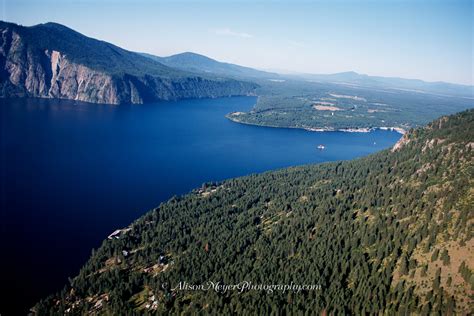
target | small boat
[{"x": 321, "y": 147}]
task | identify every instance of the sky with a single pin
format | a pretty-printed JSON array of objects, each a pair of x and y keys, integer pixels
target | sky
[{"x": 425, "y": 39}]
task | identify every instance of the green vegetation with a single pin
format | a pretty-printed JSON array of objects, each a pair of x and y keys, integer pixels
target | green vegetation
[
  {"x": 196, "y": 63},
  {"x": 113, "y": 75},
  {"x": 97, "y": 55},
  {"x": 376, "y": 83},
  {"x": 318, "y": 105},
  {"x": 365, "y": 230}
]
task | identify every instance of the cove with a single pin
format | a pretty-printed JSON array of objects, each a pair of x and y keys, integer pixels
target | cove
[{"x": 71, "y": 172}]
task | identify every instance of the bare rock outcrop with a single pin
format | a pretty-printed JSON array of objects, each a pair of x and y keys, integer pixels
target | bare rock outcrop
[{"x": 43, "y": 61}]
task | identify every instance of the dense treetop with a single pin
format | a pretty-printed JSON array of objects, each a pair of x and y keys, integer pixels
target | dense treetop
[
  {"x": 391, "y": 232},
  {"x": 332, "y": 106}
]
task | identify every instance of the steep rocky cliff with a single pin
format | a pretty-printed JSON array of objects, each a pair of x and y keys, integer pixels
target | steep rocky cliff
[{"x": 53, "y": 61}]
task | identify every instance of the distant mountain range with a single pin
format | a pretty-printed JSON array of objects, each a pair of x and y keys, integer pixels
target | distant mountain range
[
  {"x": 51, "y": 60},
  {"x": 415, "y": 85},
  {"x": 196, "y": 63}
]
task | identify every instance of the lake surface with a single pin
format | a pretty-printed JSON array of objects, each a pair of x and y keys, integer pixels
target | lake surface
[{"x": 71, "y": 173}]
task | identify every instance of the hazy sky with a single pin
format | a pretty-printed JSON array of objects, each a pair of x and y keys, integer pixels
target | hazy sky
[{"x": 430, "y": 40}]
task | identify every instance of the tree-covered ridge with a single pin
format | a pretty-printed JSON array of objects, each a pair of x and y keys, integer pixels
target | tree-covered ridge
[
  {"x": 192, "y": 62},
  {"x": 96, "y": 54},
  {"x": 53, "y": 61},
  {"x": 391, "y": 232}
]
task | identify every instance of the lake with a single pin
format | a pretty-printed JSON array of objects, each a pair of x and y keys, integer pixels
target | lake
[{"x": 71, "y": 173}]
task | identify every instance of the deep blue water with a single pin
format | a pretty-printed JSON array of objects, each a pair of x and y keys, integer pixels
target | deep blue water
[{"x": 72, "y": 172}]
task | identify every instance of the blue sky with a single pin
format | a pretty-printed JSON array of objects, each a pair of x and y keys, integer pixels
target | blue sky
[{"x": 430, "y": 40}]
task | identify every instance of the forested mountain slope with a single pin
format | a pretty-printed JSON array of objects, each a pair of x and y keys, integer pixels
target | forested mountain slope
[
  {"x": 202, "y": 64},
  {"x": 51, "y": 60},
  {"x": 391, "y": 232}
]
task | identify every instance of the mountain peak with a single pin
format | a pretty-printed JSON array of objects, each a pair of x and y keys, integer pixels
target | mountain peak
[
  {"x": 191, "y": 54},
  {"x": 194, "y": 62},
  {"x": 54, "y": 25},
  {"x": 62, "y": 57}
]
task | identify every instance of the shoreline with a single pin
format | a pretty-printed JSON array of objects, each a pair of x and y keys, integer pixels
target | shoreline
[{"x": 323, "y": 129}]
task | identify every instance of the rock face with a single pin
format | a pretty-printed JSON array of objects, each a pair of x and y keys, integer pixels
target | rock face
[
  {"x": 401, "y": 142},
  {"x": 36, "y": 62}
]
